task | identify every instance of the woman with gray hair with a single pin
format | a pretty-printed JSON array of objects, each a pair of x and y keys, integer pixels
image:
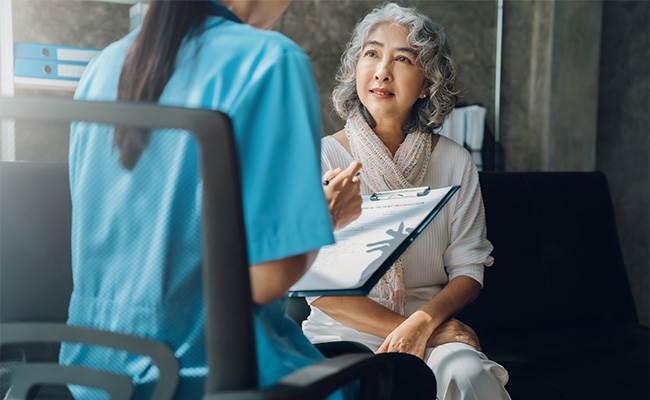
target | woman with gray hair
[{"x": 396, "y": 86}]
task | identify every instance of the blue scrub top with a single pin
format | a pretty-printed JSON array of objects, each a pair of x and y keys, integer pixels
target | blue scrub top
[{"x": 136, "y": 242}]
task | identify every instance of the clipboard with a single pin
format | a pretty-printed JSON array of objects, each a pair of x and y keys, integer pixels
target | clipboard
[{"x": 390, "y": 221}]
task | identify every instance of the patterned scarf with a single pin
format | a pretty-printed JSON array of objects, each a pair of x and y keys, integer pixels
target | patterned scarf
[{"x": 381, "y": 171}]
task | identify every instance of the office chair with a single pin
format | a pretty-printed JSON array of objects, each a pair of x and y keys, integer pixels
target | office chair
[{"x": 230, "y": 353}]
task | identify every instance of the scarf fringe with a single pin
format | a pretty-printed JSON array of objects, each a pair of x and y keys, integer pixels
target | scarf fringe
[{"x": 382, "y": 171}]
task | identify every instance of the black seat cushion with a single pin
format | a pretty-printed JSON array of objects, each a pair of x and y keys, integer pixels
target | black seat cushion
[
  {"x": 557, "y": 255},
  {"x": 595, "y": 362}
]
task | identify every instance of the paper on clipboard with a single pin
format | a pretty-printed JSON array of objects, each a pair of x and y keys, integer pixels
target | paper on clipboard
[{"x": 365, "y": 249}]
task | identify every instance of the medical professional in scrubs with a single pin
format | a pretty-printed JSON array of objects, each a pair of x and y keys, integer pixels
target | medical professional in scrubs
[{"x": 136, "y": 245}]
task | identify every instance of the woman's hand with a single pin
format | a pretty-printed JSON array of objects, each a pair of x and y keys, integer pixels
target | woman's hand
[
  {"x": 454, "y": 331},
  {"x": 410, "y": 336},
  {"x": 343, "y": 194}
]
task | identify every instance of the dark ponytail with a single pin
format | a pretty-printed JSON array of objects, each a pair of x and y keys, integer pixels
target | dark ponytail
[{"x": 149, "y": 64}]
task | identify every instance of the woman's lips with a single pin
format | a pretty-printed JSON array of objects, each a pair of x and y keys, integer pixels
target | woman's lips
[{"x": 381, "y": 93}]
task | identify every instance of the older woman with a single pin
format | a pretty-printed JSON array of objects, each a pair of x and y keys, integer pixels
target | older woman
[{"x": 396, "y": 86}]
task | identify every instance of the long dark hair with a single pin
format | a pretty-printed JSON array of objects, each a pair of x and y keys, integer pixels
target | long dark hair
[{"x": 149, "y": 64}]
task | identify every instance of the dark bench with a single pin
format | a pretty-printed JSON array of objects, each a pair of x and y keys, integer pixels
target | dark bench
[{"x": 556, "y": 309}]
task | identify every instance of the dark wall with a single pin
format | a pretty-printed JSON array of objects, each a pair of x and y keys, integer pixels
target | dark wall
[{"x": 624, "y": 131}]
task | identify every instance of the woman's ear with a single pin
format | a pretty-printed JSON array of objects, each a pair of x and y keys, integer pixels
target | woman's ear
[{"x": 425, "y": 92}]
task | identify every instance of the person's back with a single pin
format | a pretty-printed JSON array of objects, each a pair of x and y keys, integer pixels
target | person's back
[{"x": 136, "y": 233}]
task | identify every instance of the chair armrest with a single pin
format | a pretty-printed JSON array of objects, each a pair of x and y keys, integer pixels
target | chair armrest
[
  {"x": 320, "y": 380},
  {"x": 161, "y": 355},
  {"x": 29, "y": 375}
]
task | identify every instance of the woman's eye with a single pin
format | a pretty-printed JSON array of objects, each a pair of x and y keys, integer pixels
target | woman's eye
[
  {"x": 403, "y": 59},
  {"x": 371, "y": 53}
]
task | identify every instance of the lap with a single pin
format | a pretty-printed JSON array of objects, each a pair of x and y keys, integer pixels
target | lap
[
  {"x": 412, "y": 378},
  {"x": 450, "y": 360}
]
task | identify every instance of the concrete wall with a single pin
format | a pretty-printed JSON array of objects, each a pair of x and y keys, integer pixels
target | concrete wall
[
  {"x": 551, "y": 53},
  {"x": 624, "y": 131},
  {"x": 323, "y": 27}
]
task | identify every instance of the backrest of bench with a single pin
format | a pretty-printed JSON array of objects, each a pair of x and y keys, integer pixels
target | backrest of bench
[{"x": 557, "y": 254}]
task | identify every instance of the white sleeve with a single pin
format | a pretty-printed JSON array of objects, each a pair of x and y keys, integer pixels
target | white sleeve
[{"x": 469, "y": 250}]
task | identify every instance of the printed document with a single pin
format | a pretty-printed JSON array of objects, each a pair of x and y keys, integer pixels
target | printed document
[{"x": 366, "y": 248}]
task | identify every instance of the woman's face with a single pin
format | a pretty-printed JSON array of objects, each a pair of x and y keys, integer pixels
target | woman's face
[{"x": 388, "y": 80}]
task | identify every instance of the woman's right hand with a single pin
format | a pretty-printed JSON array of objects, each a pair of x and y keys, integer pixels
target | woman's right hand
[
  {"x": 343, "y": 194},
  {"x": 454, "y": 331},
  {"x": 410, "y": 336}
]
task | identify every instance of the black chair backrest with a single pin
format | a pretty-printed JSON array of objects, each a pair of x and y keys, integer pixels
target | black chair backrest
[
  {"x": 230, "y": 353},
  {"x": 557, "y": 254}
]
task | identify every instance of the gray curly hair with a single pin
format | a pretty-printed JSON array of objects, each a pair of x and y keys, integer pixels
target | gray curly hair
[{"x": 434, "y": 57}]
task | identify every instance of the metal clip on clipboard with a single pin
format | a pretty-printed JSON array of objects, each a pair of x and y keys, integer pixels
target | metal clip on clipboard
[{"x": 412, "y": 192}]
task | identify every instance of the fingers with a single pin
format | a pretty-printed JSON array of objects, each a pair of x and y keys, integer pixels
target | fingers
[
  {"x": 343, "y": 195},
  {"x": 349, "y": 173},
  {"x": 395, "y": 343},
  {"x": 383, "y": 348},
  {"x": 331, "y": 174},
  {"x": 398, "y": 347},
  {"x": 353, "y": 169},
  {"x": 471, "y": 340},
  {"x": 454, "y": 331},
  {"x": 390, "y": 347},
  {"x": 465, "y": 334}
]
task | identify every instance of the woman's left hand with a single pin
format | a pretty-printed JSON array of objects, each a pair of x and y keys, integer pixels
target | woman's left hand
[
  {"x": 454, "y": 331},
  {"x": 410, "y": 336}
]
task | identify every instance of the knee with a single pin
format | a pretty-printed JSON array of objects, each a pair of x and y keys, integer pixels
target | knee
[
  {"x": 456, "y": 360},
  {"x": 462, "y": 366}
]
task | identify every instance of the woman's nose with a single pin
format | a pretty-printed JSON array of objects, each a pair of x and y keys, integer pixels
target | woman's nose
[{"x": 383, "y": 72}]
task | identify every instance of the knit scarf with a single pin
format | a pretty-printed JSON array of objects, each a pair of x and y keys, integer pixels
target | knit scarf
[{"x": 382, "y": 171}]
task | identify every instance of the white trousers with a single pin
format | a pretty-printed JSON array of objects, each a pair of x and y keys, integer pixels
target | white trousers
[{"x": 462, "y": 372}]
